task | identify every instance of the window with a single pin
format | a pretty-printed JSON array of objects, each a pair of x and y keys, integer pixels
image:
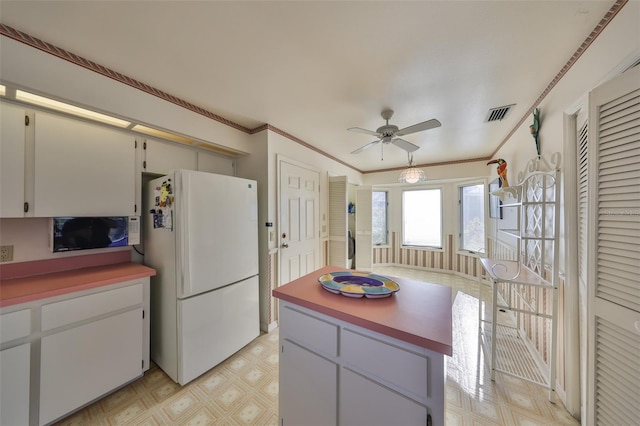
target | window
[
  {"x": 422, "y": 218},
  {"x": 379, "y": 218},
  {"x": 472, "y": 218}
]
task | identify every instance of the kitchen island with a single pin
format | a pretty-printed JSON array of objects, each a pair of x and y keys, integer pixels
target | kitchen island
[{"x": 356, "y": 361}]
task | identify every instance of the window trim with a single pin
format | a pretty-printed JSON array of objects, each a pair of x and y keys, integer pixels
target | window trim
[
  {"x": 386, "y": 216},
  {"x": 458, "y": 241},
  {"x": 440, "y": 188}
]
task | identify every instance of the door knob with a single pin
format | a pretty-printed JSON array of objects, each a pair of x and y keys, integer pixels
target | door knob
[{"x": 284, "y": 245}]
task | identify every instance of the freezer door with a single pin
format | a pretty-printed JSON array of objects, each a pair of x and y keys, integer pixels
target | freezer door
[
  {"x": 217, "y": 230},
  {"x": 215, "y": 325}
]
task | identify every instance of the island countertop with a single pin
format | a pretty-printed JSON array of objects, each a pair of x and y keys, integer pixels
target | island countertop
[{"x": 419, "y": 313}]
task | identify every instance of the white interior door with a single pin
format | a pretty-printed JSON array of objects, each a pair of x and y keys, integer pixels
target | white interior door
[
  {"x": 338, "y": 226},
  {"x": 298, "y": 224},
  {"x": 614, "y": 250}
]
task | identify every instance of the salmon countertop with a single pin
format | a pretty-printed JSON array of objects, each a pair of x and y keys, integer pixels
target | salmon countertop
[
  {"x": 419, "y": 313},
  {"x": 25, "y": 289}
]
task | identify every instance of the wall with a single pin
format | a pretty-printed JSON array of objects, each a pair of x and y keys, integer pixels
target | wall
[
  {"x": 255, "y": 167},
  {"x": 449, "y": 258},
  {"x": 435, "y": 173},
  {"x": 262, "y": 165},
  {"x": 614, "y": 50}
]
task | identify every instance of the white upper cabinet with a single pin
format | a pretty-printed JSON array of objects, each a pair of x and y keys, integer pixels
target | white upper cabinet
[
  {"x": 82, "y": 169},
  {"x": 215, "y": 164},
  {"x": 161, "y": 157},
  {"x": 12, "y": 155}
]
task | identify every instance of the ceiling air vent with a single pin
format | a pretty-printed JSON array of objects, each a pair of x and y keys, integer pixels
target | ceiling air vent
[
  {"x": 497, "y": 114},
  {"x": 634, "y": 64}
]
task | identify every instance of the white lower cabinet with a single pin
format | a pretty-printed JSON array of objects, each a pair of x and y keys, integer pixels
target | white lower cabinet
[
  {"x": 80, "y": 364},
  {"x": 92, "y": 345},
  {"x": 335, "y": 373},
  {"x": 366, "y": 402},
  {"x": 308, "y": 384},
  {"x": 14, "y": 385},
  {"x": 15, "y": 367},
  {"x": 81, "y": 347}
]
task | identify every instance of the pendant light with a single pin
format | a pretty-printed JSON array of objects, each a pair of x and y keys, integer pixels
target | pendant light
[{"x": 412, "y": 174}]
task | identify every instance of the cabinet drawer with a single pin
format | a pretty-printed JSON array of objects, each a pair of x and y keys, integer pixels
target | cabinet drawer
[
  {"x": 309, "y": 331},
  {"x": 81, "y": 308},
  {"x": 15, "y": 325},
  {"x": 407, "y": 370}
]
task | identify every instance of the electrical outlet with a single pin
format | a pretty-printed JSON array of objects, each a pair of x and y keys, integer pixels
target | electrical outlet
[{"x": 6, "y": 253}]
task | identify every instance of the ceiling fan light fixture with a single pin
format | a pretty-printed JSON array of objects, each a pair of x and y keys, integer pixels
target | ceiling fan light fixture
[{"x": 412, "y": 174}]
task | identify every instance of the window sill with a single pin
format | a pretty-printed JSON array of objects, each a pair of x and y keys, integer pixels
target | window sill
[
  {"x": 471, "y": 253},
  {"x": 422, "y": 248}
]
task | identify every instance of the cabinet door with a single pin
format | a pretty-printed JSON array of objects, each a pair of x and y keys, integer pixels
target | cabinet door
[
  {"x": 308, "y": 387},
  {"x": 82, "y": 169},
  {"x": 212, "y": 163},
  {"x": 14, "y": 386},
  {"x": 83, "y": 363},
  {"x": 365, "y": 402},
  {"x": 161, "y": 157},
  {"x": 12, "y": 142}
]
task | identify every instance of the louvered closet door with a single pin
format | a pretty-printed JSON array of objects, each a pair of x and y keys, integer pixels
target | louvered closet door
[
  {"x": 614, "y": 252},
  {"x": 338, "y": 243}
]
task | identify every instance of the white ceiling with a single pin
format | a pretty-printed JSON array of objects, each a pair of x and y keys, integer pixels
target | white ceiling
[{"x": 315, "y": 68}]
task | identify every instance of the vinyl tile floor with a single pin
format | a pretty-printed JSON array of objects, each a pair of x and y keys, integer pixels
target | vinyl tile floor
[{"x": 243, "y": 390}]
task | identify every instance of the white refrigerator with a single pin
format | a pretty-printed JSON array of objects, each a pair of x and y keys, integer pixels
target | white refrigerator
[{"x": 201, "y": 236}]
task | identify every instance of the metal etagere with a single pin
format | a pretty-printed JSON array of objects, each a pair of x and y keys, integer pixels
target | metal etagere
[{"x": 525, "y": 291}]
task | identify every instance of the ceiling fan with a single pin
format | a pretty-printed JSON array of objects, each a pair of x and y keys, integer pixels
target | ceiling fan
[{"x": 390, "y": 133}]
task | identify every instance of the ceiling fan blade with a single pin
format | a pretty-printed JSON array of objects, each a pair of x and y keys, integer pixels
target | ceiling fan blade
[
  {"x": 361, "y": 130},
  {"x": 425, "y": 125},
  {"x": 367, "y": 146},
  {"x": 407, "y": 146}
]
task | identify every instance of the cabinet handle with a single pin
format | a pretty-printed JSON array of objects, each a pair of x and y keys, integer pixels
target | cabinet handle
[{"x": 26, "y": 207}]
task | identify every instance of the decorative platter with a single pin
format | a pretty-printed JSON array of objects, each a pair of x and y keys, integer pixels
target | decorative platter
[{"x": 358, "y": 284}]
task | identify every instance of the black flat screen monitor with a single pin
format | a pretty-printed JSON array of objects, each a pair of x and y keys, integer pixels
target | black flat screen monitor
[{"x": 81, "y": 233}]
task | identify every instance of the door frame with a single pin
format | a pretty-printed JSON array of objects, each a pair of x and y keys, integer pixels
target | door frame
[{"x": 574, "y": 352}]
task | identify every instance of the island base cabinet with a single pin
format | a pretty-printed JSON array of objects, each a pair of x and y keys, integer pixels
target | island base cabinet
[
  {"x": 333, "y": 372},
  {"x": 83, "y": 363},
  {"x": 14, "y": 385},
  {"x": 365, "y": 402},
  {"x": 308, "y": 384}
]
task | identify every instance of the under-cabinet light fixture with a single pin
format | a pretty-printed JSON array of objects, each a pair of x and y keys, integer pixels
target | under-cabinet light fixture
[
  {"x": 27, "y": 97},
  {"x": 70, "y": 109},
  {"x": 162, "y": 134},
  {"x": 185, "y": 140}
]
